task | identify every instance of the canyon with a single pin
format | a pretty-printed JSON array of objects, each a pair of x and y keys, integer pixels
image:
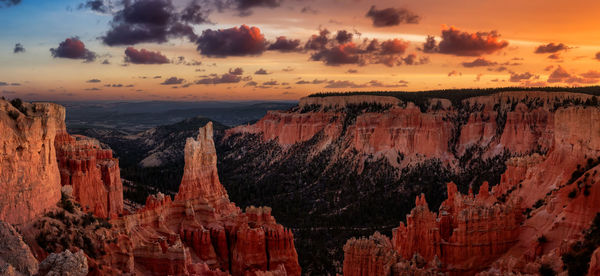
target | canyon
[
  {"x": 524, "y": 164},
  {"x": 77, "y": 184},
  {"x": 483, "y": 183}
]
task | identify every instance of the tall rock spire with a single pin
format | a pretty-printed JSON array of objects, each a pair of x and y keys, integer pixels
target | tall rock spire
[{"x": 200, "y": 178}]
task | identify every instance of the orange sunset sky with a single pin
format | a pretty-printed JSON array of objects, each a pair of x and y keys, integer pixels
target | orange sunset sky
[{"x": 287, "y": 49}]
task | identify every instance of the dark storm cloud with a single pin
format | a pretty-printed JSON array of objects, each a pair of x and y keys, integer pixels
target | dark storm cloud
[
  {"x": 144, "y": 56},
  {"x": 73, "y": 48},
  {"x": 152, "y": 21},
  {"x": 8, "y": 3},
  {"x": 18, "y": 48},
  {"x": 172, "y": 81},
  {"x": 195, "y": 13},
  {"x": 479, "y": 62},
  {"x": 459, "y": 43},
  {"x": 551, "y": 48},
  {"x": 283, "y": 44},
  {"x": 95, "y": 5},
  {"x": 236, "y": 41},
  {"x": 391, "y": 17},
  {"x": 93, "y": 81},
  {"x": 261, "y": 72}
]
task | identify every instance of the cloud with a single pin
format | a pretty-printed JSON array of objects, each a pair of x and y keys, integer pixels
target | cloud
[
  {"x": 454, "y": 73},
  {"x": 288, "y": 69},
  {"x": 225, "y": 78},
  {"x": 308, "y": 9},
  {"x": 244, "y": 6},
  {"x": 144, "y": 56},
  {"x": 195, "y": 13},
  {"x": 93, "y": 89},
  {"x": 106, "y": 62},
  {"x": 144, "y": 21},
  {"x": 343, "y": 36},
  {"x": 115, "y": 85},
  {"x": 242, "y": 41},
  {"x": 172, "y": 81},
  {"x": 344, "y": 84},
  {"x": 516, "y": 77},
  {"x": 237, "y": 71},
  {"x": 95, "y": 5},
  {"x": 261, "y": 72},
  {"x": 479, "y": 62},
  {"x": 551, "y": 48},
  {"x": 271, "y": 82},
  {"x": 9, "y": 3},
  {"x": 459, "y": 43},
  {"x": 554, "y": 56},
  {"x": 392, "y": 17},
  {"x": 250, "y": 83},
  {"x": 597, "y": 56},
  {"x": 283, "y": 44},
  {"x": 592, "y": 74},
  {"x": 352, "y": 71},
  {"x": 93, "y": 81},
  {"x": 73, "y": 48},
  {"x": 412, "y": 59},
  {"x": 561, "y": 75},
  {"x": 340, "y": 50},
  {"x": 18, "y": 48},
  {"x": 315, "y": 81},
  {"x": 372, "y": 83}
]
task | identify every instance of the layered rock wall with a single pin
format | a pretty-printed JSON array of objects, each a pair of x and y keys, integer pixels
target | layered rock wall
[
  {"x": 29, "y": 176},
  {"x": 93, "y": 173}
]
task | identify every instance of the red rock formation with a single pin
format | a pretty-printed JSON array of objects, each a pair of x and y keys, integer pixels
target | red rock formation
[
  {"x": 372, "y": 256},
  {"x": 92, "y": 172},
  {"x": 595, "y": 263},
  {"x": 404, "y": 130},
  {"x": 202, "y": 232},
  {"x": 29, "y": 176},
  {"x": 467, "y": 235},
  {"x": 200, "y": 177}
]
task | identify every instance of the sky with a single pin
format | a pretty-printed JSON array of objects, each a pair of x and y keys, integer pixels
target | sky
[{"x": 195, "y": 50}]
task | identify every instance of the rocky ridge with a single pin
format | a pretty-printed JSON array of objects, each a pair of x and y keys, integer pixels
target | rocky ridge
[
  {"x": 200, "y": 232},
  {"x": 537, "y": 149}
]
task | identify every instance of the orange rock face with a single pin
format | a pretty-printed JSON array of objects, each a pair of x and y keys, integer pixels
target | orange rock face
[
  {"x": 29, "y": 176},
  {"x": 202, "y": 232},
  {"x": 92, "y": 172},
  {"x": 467, "y": 234}
]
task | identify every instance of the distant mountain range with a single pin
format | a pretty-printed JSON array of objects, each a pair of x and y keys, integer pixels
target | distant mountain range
[{"x": 138, "y": 116}]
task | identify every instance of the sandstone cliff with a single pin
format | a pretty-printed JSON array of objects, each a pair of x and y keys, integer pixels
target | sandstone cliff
[
  {"x": 537, "y": 149},
  {"x": 92, "y": 172},
  {"x": 29, "y": 176},
  {"x": 201, "y": 231}
]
